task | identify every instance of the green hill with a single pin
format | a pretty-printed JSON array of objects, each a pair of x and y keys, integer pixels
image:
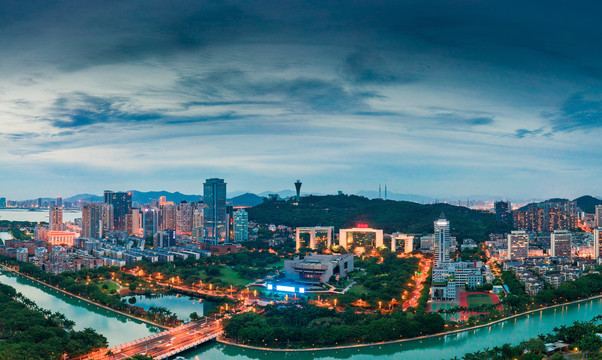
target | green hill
[
  {"x": 343, "y": 211},
  {"x": 588, "y": 203}
]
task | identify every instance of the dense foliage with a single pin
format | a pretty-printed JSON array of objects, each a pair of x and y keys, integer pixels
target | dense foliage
[
  {"x": 582, "y": 334},
  {"x": 27, "y": 332},
  {"x": 588, "y": 285},
  {"x": 14, "y": 227},
  {"x": 307, "y": 326},
  {"x": 347, "y": 210}
]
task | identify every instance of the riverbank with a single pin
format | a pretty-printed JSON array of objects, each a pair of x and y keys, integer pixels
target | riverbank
[
  {"x": 88, "y": 300},
  {"x": 446, "y": 333}
]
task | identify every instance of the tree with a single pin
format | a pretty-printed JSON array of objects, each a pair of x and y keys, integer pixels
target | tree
[
  {"x": 194, "y": 316},
  {"x": 132, "y": 287},
  {"x": 589, "y": 345},
  {"x": 534, "y": 345}
]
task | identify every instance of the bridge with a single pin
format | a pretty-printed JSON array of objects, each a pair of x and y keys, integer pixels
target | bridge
[{"x": 164, "y": 344}]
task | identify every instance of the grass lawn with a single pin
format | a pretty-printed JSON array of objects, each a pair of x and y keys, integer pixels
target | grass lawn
[
  {"x": 230, "y": 277},
  {"x": 359, "y": 290},
  {"x": 478, "y": 299},
  {"x": 110, "y": 284}
]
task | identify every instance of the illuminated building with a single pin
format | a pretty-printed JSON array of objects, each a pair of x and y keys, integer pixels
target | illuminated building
[
  {"x": 598, "y": 216},
  {"x": 122, "y": 204},
  {"x": 241, "y": 226},
  {"x": 214, "y": 218},
  {"x": 302, "y": 241},
  {"x": 315, "y": 268},
  {"x": 442, "y": 240},
  {"x": 597, "y": 252},
  {"x": 184, "y": 215},
  {"x": 150, "y": 222},
  {"x": 361, "y": 237},
  {"x": 61, "y": 238},
  {"x": 560, "y": 241},
  {"x": 546, "y": 216},
  {"x": 134, "y": 222},
  {"x": 518, "y": 245},
  {"x": 108, "y": 218},
  {"x": 167, "y": 216},
  {"x": 55, "y": 219},
  {"x": 92, "y": 220},
  {"x": 404, "y": 242}
]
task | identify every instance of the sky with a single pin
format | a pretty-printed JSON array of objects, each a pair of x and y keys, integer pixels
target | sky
[{"x": 438, "y": 98}]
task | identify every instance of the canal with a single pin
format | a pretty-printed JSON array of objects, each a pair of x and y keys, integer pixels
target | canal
[{"x": 119, "y": 329}]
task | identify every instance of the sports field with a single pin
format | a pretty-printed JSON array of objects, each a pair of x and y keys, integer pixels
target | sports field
[{"x": 478, "y": 299}]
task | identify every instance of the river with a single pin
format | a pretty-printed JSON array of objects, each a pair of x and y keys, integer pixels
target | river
[
  {"x": 36, "y": 216},
  {"x": 119, "y": 329}
]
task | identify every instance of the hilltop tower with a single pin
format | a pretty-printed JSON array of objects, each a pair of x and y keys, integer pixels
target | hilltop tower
[{"x": 298, "y": 188}]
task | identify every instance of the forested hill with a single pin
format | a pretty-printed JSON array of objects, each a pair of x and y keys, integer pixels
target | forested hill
[{"x": 343, "y": 211}]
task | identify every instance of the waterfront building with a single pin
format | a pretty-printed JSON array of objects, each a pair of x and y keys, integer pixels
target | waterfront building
[
  {"x": 560, "y": 243},
  {"x": 518, "y": 245},
  {"x": 214, "y": 217},
  {"x": 361, "y": 238},
  {"x": 442, "y": 240},
  {"x": 55, "y": 219},
  {"x": 122, "y": 204},
  {"x": 503, "y": 211},
  {"x": 92, "y": 220},
  {"x": 318, "y": 235},
  {"x": 315, "y": 268},
  {"x": 241, "y": 226}
]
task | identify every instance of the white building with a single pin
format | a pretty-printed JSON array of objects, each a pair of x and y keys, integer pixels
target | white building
[
  {"x": 597, "y": 251},
  {"x": 404, "y": 242},
  {"x": 518, "y": 245},
  {"x": 560, "y": 243},
  {"x": 241, "y": 226},
  {"x": 360, "y": 237},
  {"x": 442, "y": 240}
]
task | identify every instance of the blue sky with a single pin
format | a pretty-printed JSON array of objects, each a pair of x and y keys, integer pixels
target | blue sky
[{"x": 439, "y": 98}]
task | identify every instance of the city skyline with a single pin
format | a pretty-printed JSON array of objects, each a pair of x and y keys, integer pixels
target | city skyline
[{"x": 434, "y": 99}]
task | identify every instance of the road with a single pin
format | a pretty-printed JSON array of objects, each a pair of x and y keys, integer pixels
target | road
[{"x": 424, "y": 266}]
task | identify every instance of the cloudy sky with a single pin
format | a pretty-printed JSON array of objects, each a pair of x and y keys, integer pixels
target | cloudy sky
[{"x": 439, "y": 98}]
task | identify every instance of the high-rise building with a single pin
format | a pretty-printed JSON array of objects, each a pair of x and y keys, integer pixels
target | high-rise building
[
  {"x": 108, "y": 218},
  {"x": 215, "y": 219},
  {"x": 518, "y": 245},
  {"x": 442, "y": 240},
  {"x": 150, "y": 222},
  {"x": 546, "y": 216},
  {"x": 55, "y": 219},
  {"x": 167, "y": 216},
  {"x": 2, "y": 202},
  {"x": 134, "y": 222},
  {"x": 598, "y": 216},
  {"x": 92, "y": 220},
  {"x": 560, "y": 243},
  {"x": 122, "y": 203},
  {"x": 597, "y": 250},
  {"x": 197, "y": 217},
  {"x": 241, "y": 226},
  {"x": 59, "y": 201},
  {"x": 184, "y": 216},
  {"x": 503, "y": 211}
]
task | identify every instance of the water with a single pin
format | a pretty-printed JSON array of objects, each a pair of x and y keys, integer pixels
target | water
[
  {"x": 182, "y": 306},
  {"x": 36, "y": 216},
  {"x": 5, "y": 236},
  {"x": 117, "y": 328}
]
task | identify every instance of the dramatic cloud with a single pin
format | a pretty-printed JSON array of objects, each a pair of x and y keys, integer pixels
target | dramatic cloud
[{"x": 441, "y": 98}]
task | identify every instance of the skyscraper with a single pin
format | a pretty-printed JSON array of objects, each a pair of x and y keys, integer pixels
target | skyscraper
[
  {"x": 55, "y": 219},
  {"x": 150, "y": 222},
  {"x": 108, "y": 218},
  {"x": 597, "y": 252},
  {"x": 167, "y": 216},
  {"x": 215, "y": 220},
  {"x": 2, "y": 202},
  {"x": 92, "y": 220},
  {"x": 518, "y": 245},
  {"x": 442, "y": 240},
  {"x": 560, "y": 243},
  {"x": 184, "y": 218},
  {"x": 122, "y": 203},
  {"x": 241, "y": 226},
  {"x": 503, "y": 211},
  {"x": 598, "y": 216}
]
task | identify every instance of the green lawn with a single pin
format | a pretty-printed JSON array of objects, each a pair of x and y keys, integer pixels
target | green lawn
[
  {"x": 230, "y": 277},
  {"x": 358, "y": 290},
  {"x": 478, "y": 299},
  {"x": 110, "y": 284}
]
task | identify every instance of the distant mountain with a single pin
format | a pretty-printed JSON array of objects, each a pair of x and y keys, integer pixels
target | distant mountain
[
  {"x": 588, "y": 203},
  {"x": 247, "y": 199},
  {"x": 84, "y": 198},
  {"x": 148, "y": 196},
  {"x": 282, "y": 193},
  {"x": 395, "y": 196}
]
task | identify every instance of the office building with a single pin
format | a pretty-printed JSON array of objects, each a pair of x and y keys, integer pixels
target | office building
[
  {"x": 597, "y": 250},
  {"x": 314, "y": 269},
  {"x": 122, "y": 204},
  {"x": 165, "y": 238},
  {"x": 92, "y": 220},
  {"x": 402, "y": 242},
  {"x": 442, "y": 240},
  {"x": 560, "y": 243},
  {"x": 59, "y": 201},
  {"x": 134, "y": 222},
  {"x": 361, "y": 238},
  {"x": 167, "y": 216},
  {"x": 518, "y": 245},
  {"x": 241, "y": 226},
  {"x": 214, "y": 217},
  {"x": 150, "y": 222},
  {"x": 312, "y": 237},
  {"x": 503, "y": 211},
  {"x": 108, "y": 218},
  {"x": 55, "y": 219}
]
